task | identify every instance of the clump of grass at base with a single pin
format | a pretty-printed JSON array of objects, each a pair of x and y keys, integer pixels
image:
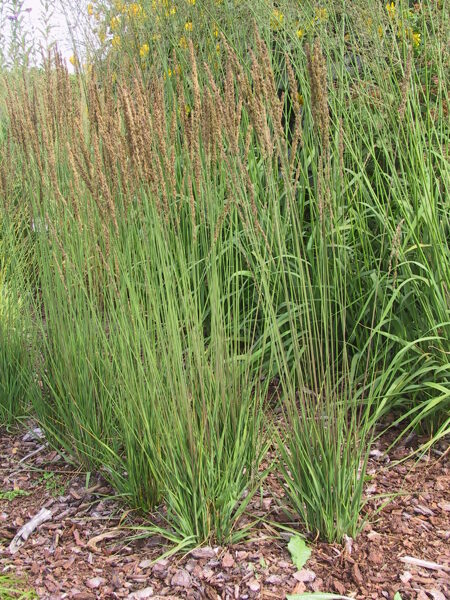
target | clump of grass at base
[{"x": 196, "y": 420}]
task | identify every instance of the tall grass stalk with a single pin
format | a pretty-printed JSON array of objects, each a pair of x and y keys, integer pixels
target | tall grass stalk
[{"x": 17, "y": 362}]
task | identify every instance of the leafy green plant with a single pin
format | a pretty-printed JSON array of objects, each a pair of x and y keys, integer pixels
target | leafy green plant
[
  {"x": 53, "y": 483},
  {"x": 300, "y": 552},
  {"x": 12, "y": 589},
  {"x": 12, "y": 494}
]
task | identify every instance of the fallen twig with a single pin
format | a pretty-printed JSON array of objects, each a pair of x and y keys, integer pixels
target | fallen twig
[
  {"x": 24, "y": 532},
  {"x": 426, "y": 564},
  {"x": 31, "y": 454}
]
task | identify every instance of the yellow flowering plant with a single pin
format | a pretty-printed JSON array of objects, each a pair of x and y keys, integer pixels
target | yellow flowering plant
[
  {"x": 165, "y": 28},
  {"x": 404, "y": 22},
  {"x": 391, "y": 10},
  {"x": 415, "y": 36},
  {"x": 144, "y": 50},
  {"x": 276, "y": 19}
]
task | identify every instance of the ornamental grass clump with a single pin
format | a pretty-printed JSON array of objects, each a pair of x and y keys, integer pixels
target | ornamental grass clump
[
  {"x": 202, "y": 231},
  {"x": 324, "y": 440},
  {"x": 145, "y": 335}
]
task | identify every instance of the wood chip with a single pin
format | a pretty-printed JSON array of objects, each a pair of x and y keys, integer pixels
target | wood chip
[
  {"x": 145, "y": 564},
  {"x": 141, "y": 594},
  {"x": 305, "y": 576},
  {"x": 426, "y": 564},
  {"x": 405, "y": 577},
  {"x": 437, "y": 595},
  {"x": 95, "y": 582},
  {"x": 423, "y": 510},
  {"x": 181, "y": 579},
  {"x": 227, "y": 561},
  {"x": 274, "y": 580},
  {"x": 254, "y": 585},
  {"x": 205, "y": 552},
  {"x": 106, "y": 535},
  {"x": 357, "y": 574}
]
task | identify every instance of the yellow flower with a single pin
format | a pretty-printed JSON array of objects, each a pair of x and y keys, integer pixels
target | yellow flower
[
  {"x": 300, "y": 99},
  {"x": 173, "y": 10},
  {"x": 134, "y": 9},
  {"x": 216, "y": 31},
  {"x": 416, "y": 39},
  {"x": 300, "y": 33},
  {"x": 116, "y": 41},
  {"x": 188, "y": 26},
  {"x": 144, "y": 50},
  {"x": 321, "y": 14},
  {"x": 390, "y": 8},
  {"x": 73, "y": 60},
  {"x": 217, "y": 47},
  {"x": 90, "y": 9},
  {"x": 168, "y": 74},
  {"x": 114, "y": 23},
  {"x": 183, "y": 42},
  {"x": 277, "y": 19},
  {"x": 192, "y": 2},
  {"x": 187, "y": 109},
  {"x": 102, "y": 35}
]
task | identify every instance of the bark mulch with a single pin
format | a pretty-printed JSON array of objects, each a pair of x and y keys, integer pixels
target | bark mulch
[{"x": 82, "y": 552}]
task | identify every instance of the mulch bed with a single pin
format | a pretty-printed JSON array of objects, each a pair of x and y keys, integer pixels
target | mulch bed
[{"x": 63, "y": 558}]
